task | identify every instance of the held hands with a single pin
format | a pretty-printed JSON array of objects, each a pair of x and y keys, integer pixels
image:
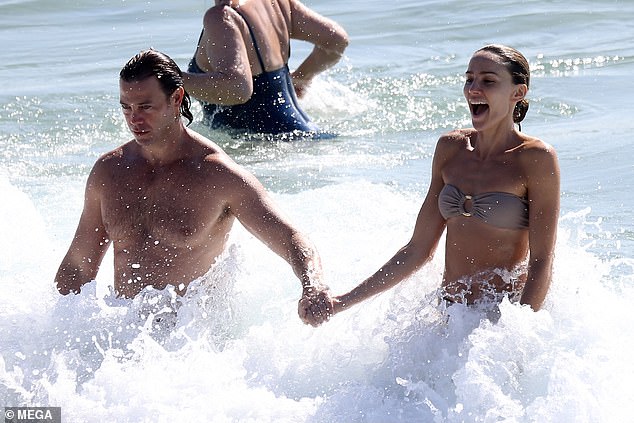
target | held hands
[{"x": 316, "y": 305}]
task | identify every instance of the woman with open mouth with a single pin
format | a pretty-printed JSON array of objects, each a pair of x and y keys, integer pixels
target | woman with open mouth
[{"x": 496, "y": 192}]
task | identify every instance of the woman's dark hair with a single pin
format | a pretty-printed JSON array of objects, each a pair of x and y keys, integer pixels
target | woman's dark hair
[
  {"x": 150, "y": 63},
  {"x": 519, "y": 69}
]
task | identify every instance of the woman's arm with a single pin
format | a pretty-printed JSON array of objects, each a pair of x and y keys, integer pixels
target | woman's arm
[
  {"x": 419, "y": 250},
  {"x": 544, "y": 197},
  {"x": 415, "y": 254}
]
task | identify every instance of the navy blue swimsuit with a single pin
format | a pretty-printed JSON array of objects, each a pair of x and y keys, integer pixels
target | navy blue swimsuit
[{"x": 272, "y": 109}]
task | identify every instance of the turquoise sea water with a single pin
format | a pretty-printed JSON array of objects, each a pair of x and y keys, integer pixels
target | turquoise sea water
[{"x": 241, "y": 354}]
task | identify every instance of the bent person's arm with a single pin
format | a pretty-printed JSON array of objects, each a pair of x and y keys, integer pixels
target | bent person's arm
[
  {"x": 227, "y": 80},
  {"x": 328, "y": 37}
]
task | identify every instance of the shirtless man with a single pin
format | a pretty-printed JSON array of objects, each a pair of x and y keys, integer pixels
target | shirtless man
[{"x": 167, "y": 199}]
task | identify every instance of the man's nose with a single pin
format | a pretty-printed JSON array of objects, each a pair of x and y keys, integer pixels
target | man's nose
[{"x": 136, "y": 116}]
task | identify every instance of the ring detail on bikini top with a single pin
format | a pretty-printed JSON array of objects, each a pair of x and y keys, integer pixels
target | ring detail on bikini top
[
  {"x": 500, "y": 209},
  {"x": 464, "y": 211}
]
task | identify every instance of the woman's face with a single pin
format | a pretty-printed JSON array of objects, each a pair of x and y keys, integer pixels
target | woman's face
[{"x": 490, "y": 91}]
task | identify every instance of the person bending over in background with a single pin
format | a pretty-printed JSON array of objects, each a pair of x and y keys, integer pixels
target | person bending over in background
[
  {"x": 240, "y": 71},
  {"x": 167, "y": 199},
  {"x": 496, "y": 192}
]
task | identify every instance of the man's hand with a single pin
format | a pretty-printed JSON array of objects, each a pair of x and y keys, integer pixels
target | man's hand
[{"x": 315, "y": 306}]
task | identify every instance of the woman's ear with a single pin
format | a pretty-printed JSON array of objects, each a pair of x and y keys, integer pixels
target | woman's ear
[{"x": 520, "y": 92}]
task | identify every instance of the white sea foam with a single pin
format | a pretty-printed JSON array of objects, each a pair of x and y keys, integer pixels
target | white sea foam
[{"x": 233, "y": 348}]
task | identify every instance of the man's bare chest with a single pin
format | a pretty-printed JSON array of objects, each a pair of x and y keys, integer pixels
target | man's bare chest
[{"x": 165, "y": 208}]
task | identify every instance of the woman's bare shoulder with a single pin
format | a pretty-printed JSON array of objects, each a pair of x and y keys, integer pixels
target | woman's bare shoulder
[
  {"x": 457, "y": 139},
  {"x": 533, "y": 148},
  {"x": 538, "y": 158}
]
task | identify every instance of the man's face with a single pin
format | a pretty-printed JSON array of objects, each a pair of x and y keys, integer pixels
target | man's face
[{"x": 150, "y": 115}]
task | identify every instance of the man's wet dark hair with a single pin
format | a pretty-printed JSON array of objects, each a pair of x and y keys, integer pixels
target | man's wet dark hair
[{"x": 153, "y": 63}]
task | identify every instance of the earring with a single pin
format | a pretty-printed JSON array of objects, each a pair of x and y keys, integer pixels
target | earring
[{"x": 517, "y": 112}]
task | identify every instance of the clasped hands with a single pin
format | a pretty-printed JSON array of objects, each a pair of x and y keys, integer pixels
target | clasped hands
[{"x": 316, "y": 305}]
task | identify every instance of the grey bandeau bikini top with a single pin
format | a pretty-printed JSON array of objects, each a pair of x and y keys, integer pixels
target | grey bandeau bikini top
[{"x": 499, "y": 209}]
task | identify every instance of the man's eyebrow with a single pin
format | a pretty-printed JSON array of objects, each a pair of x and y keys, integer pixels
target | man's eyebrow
[{"x": 141, "y": 103}]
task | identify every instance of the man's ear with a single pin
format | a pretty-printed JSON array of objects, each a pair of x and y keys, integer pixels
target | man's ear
[{"x": 177, "y": 96}]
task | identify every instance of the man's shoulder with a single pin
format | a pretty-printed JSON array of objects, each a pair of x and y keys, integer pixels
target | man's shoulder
[
  {"x": 220, "y": 165},
  {"x": 222, "y": 168},
  {"x": 206, "y": 149},
  {"x": 211, "y": 156},
  {"x": 112, "y": 157},
  {"x": 118, "y": 153}
]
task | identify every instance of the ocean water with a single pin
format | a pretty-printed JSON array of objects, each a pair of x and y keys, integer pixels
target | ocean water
[{"x": 233, "y": 349}]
